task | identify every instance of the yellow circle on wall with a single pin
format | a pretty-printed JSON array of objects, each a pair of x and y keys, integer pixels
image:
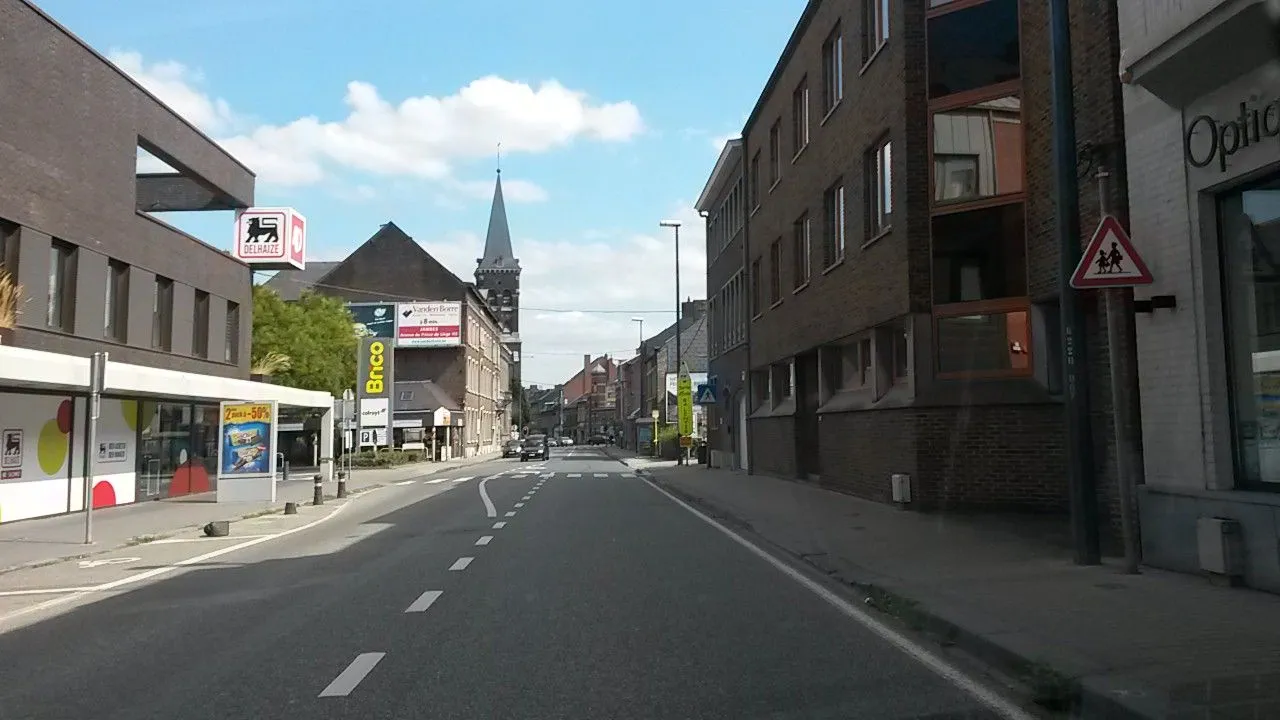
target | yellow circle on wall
[
  {"x": 51, "y": 449},
  {"x": 129, "y": 408}
]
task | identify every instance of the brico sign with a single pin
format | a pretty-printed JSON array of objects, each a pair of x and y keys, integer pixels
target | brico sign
[{"x": 375, "y": 366}]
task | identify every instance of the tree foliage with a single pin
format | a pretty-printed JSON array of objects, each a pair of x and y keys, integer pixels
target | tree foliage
[
  {"x": 521, "y": 412},
  {"x": 315, "y": 333}
]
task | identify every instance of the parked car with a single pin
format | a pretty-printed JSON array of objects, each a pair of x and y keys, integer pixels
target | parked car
[
  {"x": 535, "y": 446},
  {"x": 553, "y": 442},
  {"x": 566, "y": 441},
  {"x": 511, "y": 448}
]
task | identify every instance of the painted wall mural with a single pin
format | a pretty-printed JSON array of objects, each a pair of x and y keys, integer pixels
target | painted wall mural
[
  {"x": 116, "y": 458},
  {"x": 35, "y": 433}
]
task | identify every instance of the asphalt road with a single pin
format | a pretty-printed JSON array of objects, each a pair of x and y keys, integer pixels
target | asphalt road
[{"x": 588, "y": 594}]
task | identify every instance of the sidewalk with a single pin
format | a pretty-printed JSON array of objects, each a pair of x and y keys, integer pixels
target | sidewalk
[
  {"x": 41, "y": 541},
  {"x": 1156, "y": 645}
]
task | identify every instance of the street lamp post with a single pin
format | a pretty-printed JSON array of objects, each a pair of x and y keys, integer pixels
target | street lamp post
[
  {"x": 676, "y": 226},
  {"x": 641, "y": 322}
]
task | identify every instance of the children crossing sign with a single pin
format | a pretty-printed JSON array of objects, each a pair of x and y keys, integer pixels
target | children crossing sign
[{"x": 1110, "y": 260}]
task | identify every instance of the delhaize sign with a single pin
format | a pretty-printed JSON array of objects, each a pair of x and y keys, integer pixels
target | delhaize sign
[
  {"x": 429, "y": 324},
  {"x": 271, "y": 238}
]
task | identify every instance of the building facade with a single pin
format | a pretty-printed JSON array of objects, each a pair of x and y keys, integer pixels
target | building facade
[
  {"x": 723, "y": 203},
  {"x": 92, "y": 268},
  {"x": 1204, "y": 177},
  {"x": 498, "y": 275},
  {"x": 470, "y": 367},
  {"x": 901, "y": 258}
]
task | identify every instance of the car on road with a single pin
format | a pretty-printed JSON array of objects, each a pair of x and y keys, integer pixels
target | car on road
[
  {"x": 511, "y": 448},
  {"x": 535, "y": 446}
]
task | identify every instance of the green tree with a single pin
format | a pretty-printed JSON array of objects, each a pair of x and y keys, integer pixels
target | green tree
[
  {"x": 521, "y": 412},
  {"x": 315, "y": 335}
]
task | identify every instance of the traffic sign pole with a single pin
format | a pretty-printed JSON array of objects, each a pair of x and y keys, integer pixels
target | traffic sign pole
[{"x": 1119, "y": 312}]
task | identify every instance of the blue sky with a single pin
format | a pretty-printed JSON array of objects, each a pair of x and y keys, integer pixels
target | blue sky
[{"x": 653, "y": 86}]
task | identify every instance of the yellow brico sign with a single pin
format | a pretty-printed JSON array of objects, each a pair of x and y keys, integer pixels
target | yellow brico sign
[{"x": 684, "y": 405}]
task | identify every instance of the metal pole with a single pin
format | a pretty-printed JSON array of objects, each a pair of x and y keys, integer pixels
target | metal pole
[
  {"x": 680, "y": 458},
  {"x": 1119, "y": 314},
  {"x": 1075, "y": 367},
  {"x": 97, "y": 379}
]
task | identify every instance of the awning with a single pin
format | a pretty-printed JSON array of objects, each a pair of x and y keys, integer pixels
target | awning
[{"x": 24, "y": 369}]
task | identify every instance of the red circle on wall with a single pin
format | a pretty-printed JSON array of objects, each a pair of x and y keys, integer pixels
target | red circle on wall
[
  {"x": 64, "y": 416},
  {"x": 104, "y": 495}
]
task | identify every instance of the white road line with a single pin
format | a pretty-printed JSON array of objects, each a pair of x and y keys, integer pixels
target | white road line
[
  {"x": 424, "y": 601},
  {"x": 461, "y": 563},
  {"x": 605, "y": 475},
  {"x": 484, "y": 540},
  {"x": 544, "y": 476},
  {"x": 437, "y": 481},
  {"x": 147, "y": 574},
  {"x": 630, "y": 475},
  {"x": 520, "y": 505},
  {"x": 348, "y": 679},
  {"x": 575, "y": 475},
  {"x": 510, "y": 514},
  {"x": 406, "y": 482},
  {"x": 500, "y": 524},
  {"x": 489, "y": 509},
  {"x": 463, "y": 479},
  {"x": 995, "y": 702},
  {"x": 528, "y": 497},
  {"x": 177, "y": 540},
  {"x": 44, "y": 591}
]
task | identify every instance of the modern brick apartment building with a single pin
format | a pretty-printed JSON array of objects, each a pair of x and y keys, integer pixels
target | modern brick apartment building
[{"x": 901, "y": 254}]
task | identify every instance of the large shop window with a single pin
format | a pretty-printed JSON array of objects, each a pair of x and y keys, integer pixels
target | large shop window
[
  {"x": 973, "y": 47},
  {"x": 1249, "y": 227},
  {"x": 179, "y": 449}
]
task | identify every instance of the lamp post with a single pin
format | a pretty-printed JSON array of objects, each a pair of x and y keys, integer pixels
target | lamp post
[
  {"x": 641, "y": 322},
  {"x": 676, "y": 227}
]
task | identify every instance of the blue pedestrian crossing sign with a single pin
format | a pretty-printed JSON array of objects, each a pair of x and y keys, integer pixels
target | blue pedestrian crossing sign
[{"x": 706, "y": 394}]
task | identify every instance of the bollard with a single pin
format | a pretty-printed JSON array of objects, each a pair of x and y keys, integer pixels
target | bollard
[
  {"x": 318, "y": 497},
  {"x": 342, "y": 483},
  {"x": 291, "y": 508}
]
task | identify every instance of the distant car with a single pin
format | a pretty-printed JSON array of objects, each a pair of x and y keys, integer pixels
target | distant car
[
  {"x": 566, "y": 441},
  {"x": 553, "y": 442},
  {"x": 511, "y": 449},
  {"x": 535, "y": 446}
]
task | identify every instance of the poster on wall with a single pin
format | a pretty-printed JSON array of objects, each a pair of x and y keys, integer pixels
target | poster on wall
[
  {"x": 373, "y": 319},
  {"x": 429, "y": 324},
  {"x": 113, "y": 451},
  {"x": 247, "y": 439},
  {"x": 11, "y": 465}
]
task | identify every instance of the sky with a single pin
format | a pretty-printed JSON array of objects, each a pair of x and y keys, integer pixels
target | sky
[{"x": 610, "y": 117}]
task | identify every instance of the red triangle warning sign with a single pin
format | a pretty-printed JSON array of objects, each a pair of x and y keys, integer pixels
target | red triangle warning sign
[{"x": 1110, "y": 260}]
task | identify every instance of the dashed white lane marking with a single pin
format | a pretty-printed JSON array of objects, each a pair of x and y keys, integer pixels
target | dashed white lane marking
[
  {"x": 463, "y": 479},
  {"x": 573, "y": 475},
  {"x": 499, "y": 525},
  {"x": 461, "y": 563},
  {"x": 489, "y": 509},
  {"x": 484, "y": 540},
  {"x": 510, "y": 514},
  {"x": 605, "y": 475},
  {"x": 544, "y": 476},
  {"x": 424, "y": 601},
  {"x": 995, "y": 702},
  {"x": 348, "y": 679},
  {"x": 520, "y": 505},
  {"x": 630, "y": 475},
  {"x": 406, "y": 482},
  {"x": 528, "y": 497},
  {"x": 437, "y": 481}
]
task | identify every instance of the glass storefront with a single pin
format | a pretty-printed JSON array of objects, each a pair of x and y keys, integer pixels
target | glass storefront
[
  {"x": 1249, "y": 224},
  {"x": 178, "y": 449}
]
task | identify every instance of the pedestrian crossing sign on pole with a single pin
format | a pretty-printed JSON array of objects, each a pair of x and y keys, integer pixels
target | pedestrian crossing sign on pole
[
  {"x": 706, "y": 394},
  {"x": 1110, "y": 260}
]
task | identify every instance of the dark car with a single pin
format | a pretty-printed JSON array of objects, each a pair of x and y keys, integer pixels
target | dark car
[
  {"x": 535, "y": 446},
  {"x": 511, "y": 448}
]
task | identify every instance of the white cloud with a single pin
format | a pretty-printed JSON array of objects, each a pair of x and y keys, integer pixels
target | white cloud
[
  {"x": 617, "y": 272},
  {"x": 422, "y": 137}
]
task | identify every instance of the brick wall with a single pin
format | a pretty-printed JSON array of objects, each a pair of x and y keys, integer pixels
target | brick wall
[
  {"x": 773, "y": 447},
  {"x": 860, "y": 450}
]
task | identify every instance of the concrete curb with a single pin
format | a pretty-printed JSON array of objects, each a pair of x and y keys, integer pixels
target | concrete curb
[
  {"x": 271, "y": 509},
  {"x": 1087, "y": 696}
]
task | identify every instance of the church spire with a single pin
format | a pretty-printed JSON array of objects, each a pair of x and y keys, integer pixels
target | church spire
[{"x": 497, "y": 242}]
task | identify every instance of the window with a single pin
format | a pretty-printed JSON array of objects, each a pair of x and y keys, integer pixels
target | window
[
  {"x": 231, "y": 339},
  {"x": 115, "y": 313},
  {"x": 833, "y": 224},
  {"x": 756, "y": 282},
  {"x": 754, "y": 184},
  {"x": 973, "y": 47},
  {"x": 875, "y": 27},
  {"x": 775, "y": 152},
  {"x": 9, "y": 247},
  {"x": 978, "y": 151},
  {"x": 61, "y": 310},
  {"x": 846, "y": 366},
  {"x": 879, "y": 163},
  {"x": 761, "y": 389},
  {"x": 984, "y": 342},
  {"x": 775, "y": 272},
  {"x": 979, "y": 255},
  {"x": 832, "y": 70},
  {"x": 162, "y": 314},
  {"x": 800, "y": 251},
  {"x": 200, "y": 325},
  {"x": 783, "y": 381},
  {"x": 800, "y": 117}
]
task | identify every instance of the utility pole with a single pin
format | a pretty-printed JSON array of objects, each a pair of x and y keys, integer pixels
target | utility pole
[
  {"x": 1075, "y": 365},
  {"x": 680, "y": 458}
]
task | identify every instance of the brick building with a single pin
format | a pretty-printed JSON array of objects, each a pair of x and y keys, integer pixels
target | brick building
[{"x": 902, "y": 264}]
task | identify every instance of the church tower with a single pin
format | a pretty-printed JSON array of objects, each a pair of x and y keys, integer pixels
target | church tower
[{"x": 498, "y": 274}]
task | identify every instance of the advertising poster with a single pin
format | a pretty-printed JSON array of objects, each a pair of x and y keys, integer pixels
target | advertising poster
[
  {"x": 248, "y": 437},
  {"x": 373, "y": 320},
  {"x": 429, "y": 324}
]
